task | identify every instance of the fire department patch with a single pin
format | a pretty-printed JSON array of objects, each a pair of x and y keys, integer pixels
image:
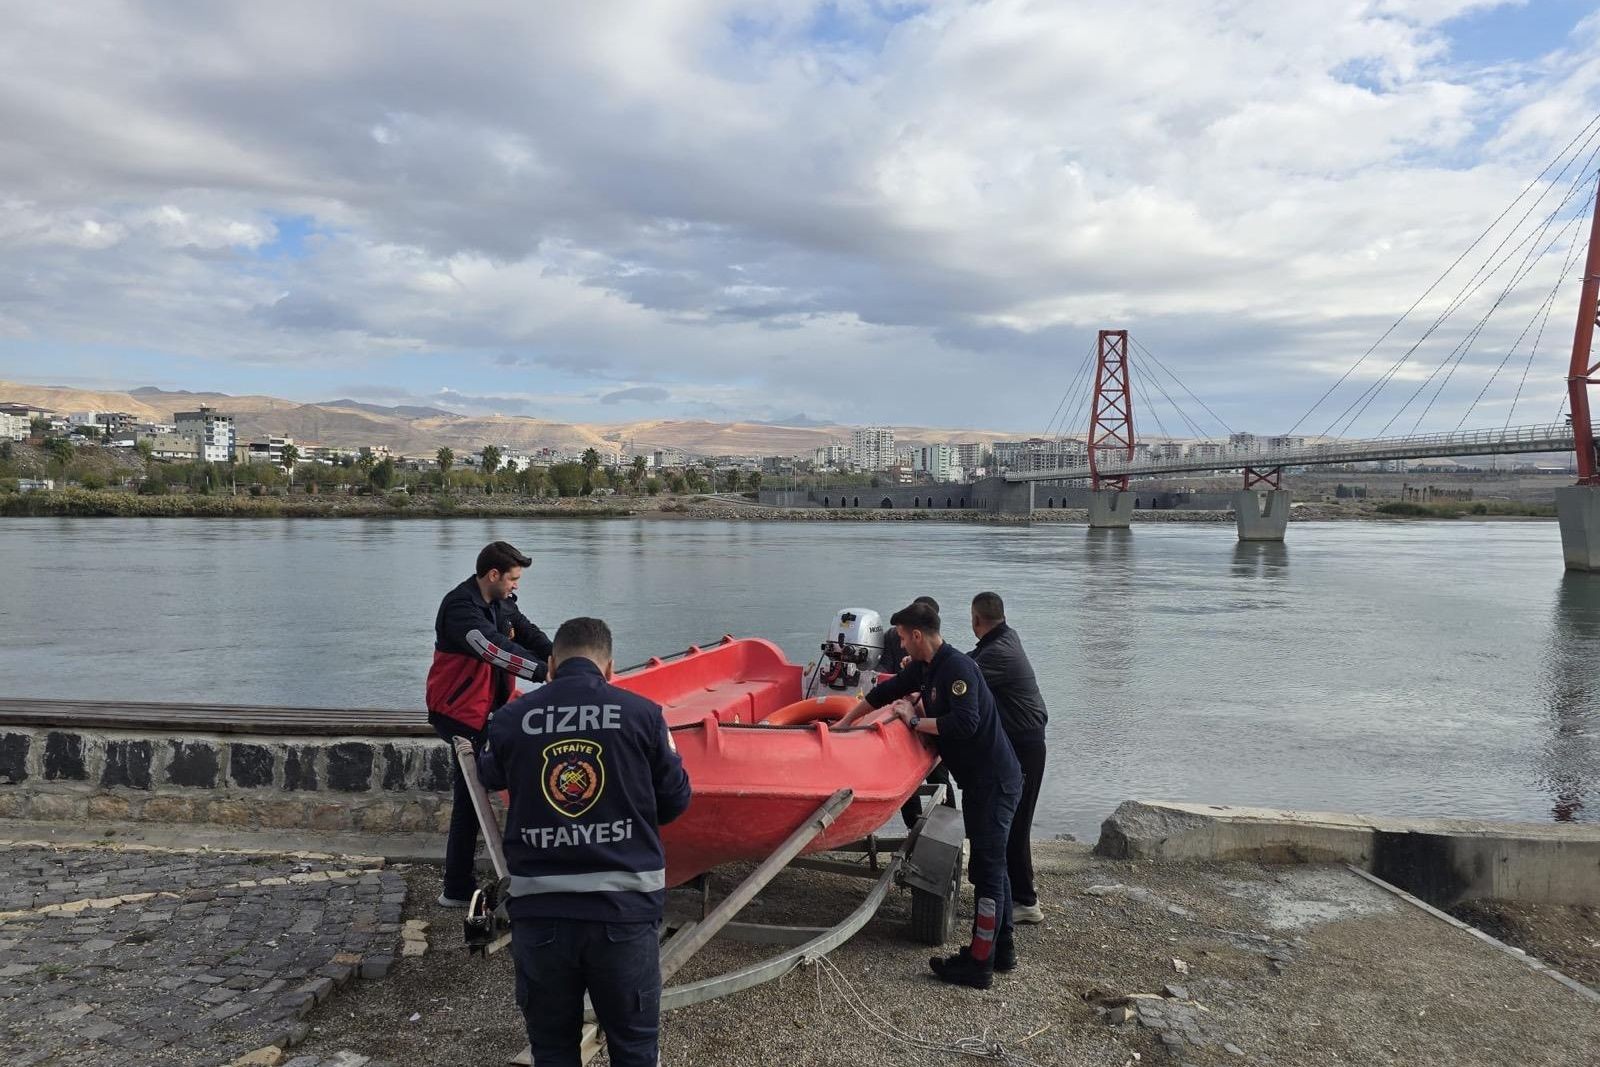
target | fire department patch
[
  {"x": 958, "y": 688},
  {"x": 573, "y": 776}
]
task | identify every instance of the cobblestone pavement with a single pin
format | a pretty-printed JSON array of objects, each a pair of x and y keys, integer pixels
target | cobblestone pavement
[{"x": 145, "y": 956}]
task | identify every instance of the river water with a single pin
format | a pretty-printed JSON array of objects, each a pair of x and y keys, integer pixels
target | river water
[{"x": 1401, "y": 668}]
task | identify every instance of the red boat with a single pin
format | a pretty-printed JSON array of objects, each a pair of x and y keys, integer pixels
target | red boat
[{"x": 755, "y": 782}]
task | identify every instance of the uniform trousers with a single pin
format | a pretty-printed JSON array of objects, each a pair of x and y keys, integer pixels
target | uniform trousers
[
  {"x": 617, "y": 964},
  {"x": 461, "y": 844},
  {"x": 987, "y": 809},
  {"x": 1019, "y": 850}
]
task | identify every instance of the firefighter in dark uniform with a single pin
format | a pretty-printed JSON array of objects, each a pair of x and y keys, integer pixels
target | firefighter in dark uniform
[
  {"x": 593, "y": 775},
  {"x": 953, "y": 705},
  {"x": 889, "y": 662},
  {"x": 481, "y": 642}
]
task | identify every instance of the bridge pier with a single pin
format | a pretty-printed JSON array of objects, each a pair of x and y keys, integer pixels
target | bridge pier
[
  {"x": 1110, "y": 509},
  {"x": 1000, "y": 497},
  {"x": 1578, "y": 514},
  {"x": 1261, "y": 516}
]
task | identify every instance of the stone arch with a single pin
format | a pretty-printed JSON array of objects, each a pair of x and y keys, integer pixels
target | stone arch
[
  {"x": 917, "y": 503},
  {"x": 1050, "y": 503},
  {"x": 963, "y": 501},
  {"x": 855, "y": 502},
  {"x": 946, "y": 501},
  {"x": 827, "y": 503},
  {"x": 886, "y": 503}
]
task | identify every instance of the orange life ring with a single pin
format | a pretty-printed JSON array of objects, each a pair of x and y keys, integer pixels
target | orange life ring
[{"x": 812, "y": 709}]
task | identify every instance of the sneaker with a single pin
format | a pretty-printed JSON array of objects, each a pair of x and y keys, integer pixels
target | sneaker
[
  {"x": 1027, "y": 913},
  {"x": 962, "y": 969},
  {"x": 452, "y": 902}
]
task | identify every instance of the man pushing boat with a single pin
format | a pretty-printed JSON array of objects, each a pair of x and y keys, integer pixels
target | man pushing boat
[{"x": 958, "y": 711}]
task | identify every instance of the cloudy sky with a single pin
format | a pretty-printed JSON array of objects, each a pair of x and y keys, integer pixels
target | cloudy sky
[{"x": 915, "y": 213}]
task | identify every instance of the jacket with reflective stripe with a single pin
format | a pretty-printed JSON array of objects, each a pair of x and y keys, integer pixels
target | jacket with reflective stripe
[
  {"x": 593, "y": 775},
  {"x": 477, "y": 648}
]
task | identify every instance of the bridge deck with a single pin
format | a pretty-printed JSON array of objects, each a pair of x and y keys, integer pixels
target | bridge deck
[{"x": 216, "y": 718}]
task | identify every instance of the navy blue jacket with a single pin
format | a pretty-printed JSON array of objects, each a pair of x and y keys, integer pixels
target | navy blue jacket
[
  {"x": 593, "y": 775},
  {"x": 972, "y": 743},
  {"x": 1010, "y": 676}
]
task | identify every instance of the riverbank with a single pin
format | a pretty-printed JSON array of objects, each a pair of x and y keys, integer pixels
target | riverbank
[
  {"x": 1199, "y": 964},
  {"x": 90, "y": 503}
]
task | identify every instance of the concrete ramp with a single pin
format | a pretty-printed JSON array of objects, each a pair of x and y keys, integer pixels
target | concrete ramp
[{"x": 1443, "y": 861}]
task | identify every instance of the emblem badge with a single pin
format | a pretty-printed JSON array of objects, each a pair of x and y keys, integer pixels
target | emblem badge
[
  {"x": 958, "y": 688},
  {"x": 573, "y": 776}
]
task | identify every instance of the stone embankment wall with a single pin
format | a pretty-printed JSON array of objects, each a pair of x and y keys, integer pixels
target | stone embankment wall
[{"x": 252, "y": 782}]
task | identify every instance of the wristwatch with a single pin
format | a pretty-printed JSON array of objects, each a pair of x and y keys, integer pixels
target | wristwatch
[{"x": 912, "y": 722}]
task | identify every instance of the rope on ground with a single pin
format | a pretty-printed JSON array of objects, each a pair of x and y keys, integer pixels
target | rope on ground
[{"x": 978, "y": 1047}]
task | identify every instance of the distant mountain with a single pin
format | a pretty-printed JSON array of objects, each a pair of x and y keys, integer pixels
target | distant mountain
[
  {"x": 420, "y": 431},
  {"x": 410, "y": 411},
  {"x": 797, "y": 419}
]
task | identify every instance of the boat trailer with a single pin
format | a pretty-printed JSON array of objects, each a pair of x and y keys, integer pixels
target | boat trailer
[{"x": 927, "y": 861}]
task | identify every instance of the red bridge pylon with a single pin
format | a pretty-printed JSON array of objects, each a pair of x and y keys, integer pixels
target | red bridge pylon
[
  {"x": 1111, "y": 419},
  {"x": 1581, "y": 374}
]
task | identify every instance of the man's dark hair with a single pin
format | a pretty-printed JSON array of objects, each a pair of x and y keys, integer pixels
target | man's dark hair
[
  {"x": 989, "y": 607},
  {"x": 917, "y": 616},
  {"x": 500, "y": 556},
  {"x": 586, "y": 637},
  {"x": 928, "y": 600}
]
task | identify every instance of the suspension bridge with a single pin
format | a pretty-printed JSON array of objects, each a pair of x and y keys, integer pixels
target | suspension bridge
[{"x": 1534, "y": 244}]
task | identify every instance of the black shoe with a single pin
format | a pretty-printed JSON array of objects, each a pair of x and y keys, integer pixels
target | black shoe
[
  {"x": 962, "y": 969},
  {"x": 1005, "y": 955}
]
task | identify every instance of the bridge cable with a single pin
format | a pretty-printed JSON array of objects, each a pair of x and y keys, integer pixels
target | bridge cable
[
  {"x": 1530, "y": 261},
  {"x": 1173, "y": 375},
  {"x": 1072, "y": 387},
  {"x": 1079, "y": 412},
  {"x": 1137, "y": 380},
  {"x": 1199, "y": 433},
  {"x": 1541, "y": 315},
  {"x": 1470, "y": 288},
  {"x": 1590, "y": 128}
]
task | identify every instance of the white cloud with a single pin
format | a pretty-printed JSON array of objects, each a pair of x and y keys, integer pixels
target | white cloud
[{"x": 713, "y": 197}]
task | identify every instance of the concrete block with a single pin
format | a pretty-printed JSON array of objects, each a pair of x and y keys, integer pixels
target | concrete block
[
  {"x": 127, "y": 763},
  {"x": 1443, "y": 861},
  {"x": 174, "y": 809},
  {"x": 194, "y": 764},
  {"x": 280, "y": 814},
  {"x": 1261, "y": 515},
  {"x": 14, "y": 749},
  {"x": 1578, "y": 515},
  {"x": 350, "y": 767},
  {"x": 250, "y": 766},
  {"x": 1110, "y": 509},
  {"x": 64, "y": 757},
  {"x": 438, "y": 772}
]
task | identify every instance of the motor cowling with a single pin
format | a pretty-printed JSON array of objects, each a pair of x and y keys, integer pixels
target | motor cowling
[{"x": 853, "y": 645}]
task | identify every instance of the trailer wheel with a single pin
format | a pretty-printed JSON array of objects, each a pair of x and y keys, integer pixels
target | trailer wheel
[{"x": 933, "y": 915}]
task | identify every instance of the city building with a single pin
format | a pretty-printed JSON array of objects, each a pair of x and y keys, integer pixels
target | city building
[
  {"x": 1276, "y": 443},
  {"x": 938, "y": 462},
  {"x": 172, "y": 447},
  {"x": 969, "y": 455},
  {"x": 31, "y": 485},
  {"x": 833, "y": 455},
  {"x": 27, "y": 411},
  {"x": 13, "y": 427},
  {"x": 872, "y": 448},
  {"x": 211, "y": 430},
  {"x": 1205, "y": 450},
  {"x": 1243, "y": 442},
  {"x": 1169, "y": 450},
  {"x": 1040, "y": 454},
  {"x": 268, "y": 451}
]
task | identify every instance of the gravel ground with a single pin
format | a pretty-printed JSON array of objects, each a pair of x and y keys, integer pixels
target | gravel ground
[
  {"x": 1290, "y": 966},
  {"x": 1567, "y": 938}
]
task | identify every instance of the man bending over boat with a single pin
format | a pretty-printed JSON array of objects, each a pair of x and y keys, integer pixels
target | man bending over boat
[
  {"x": 593, "y": 775},
  {"x": 481, "y": 640},
  {"x": 959, "y": 712}
]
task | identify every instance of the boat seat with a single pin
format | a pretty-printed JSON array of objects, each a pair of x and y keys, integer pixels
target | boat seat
[{"x": 730, "y": 701}]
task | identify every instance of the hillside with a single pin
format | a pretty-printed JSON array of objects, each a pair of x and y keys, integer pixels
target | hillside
[{"x": 420, "y": 431}]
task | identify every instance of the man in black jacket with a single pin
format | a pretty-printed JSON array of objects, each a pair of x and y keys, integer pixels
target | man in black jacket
[
  {"x": 481, "y": 642},
  {"x": 593, "y": 775},
  {"x": 1010, "y": 677}
]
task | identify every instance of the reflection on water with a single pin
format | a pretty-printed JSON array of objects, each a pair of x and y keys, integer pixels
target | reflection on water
[
  {"x": 1260, "y": 559},
  {"x": 1570, "y": 767}
]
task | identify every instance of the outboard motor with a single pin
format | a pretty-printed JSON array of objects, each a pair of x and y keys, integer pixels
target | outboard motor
[{"x": 855, "y": 641}]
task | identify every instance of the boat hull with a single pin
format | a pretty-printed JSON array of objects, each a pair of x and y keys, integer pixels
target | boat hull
[{"x": 754, "y": 784}]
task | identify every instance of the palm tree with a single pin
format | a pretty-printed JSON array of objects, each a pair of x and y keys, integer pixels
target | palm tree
[
  {"x": 291, "y": 456},
  {"x": 447, "y": 460}
]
